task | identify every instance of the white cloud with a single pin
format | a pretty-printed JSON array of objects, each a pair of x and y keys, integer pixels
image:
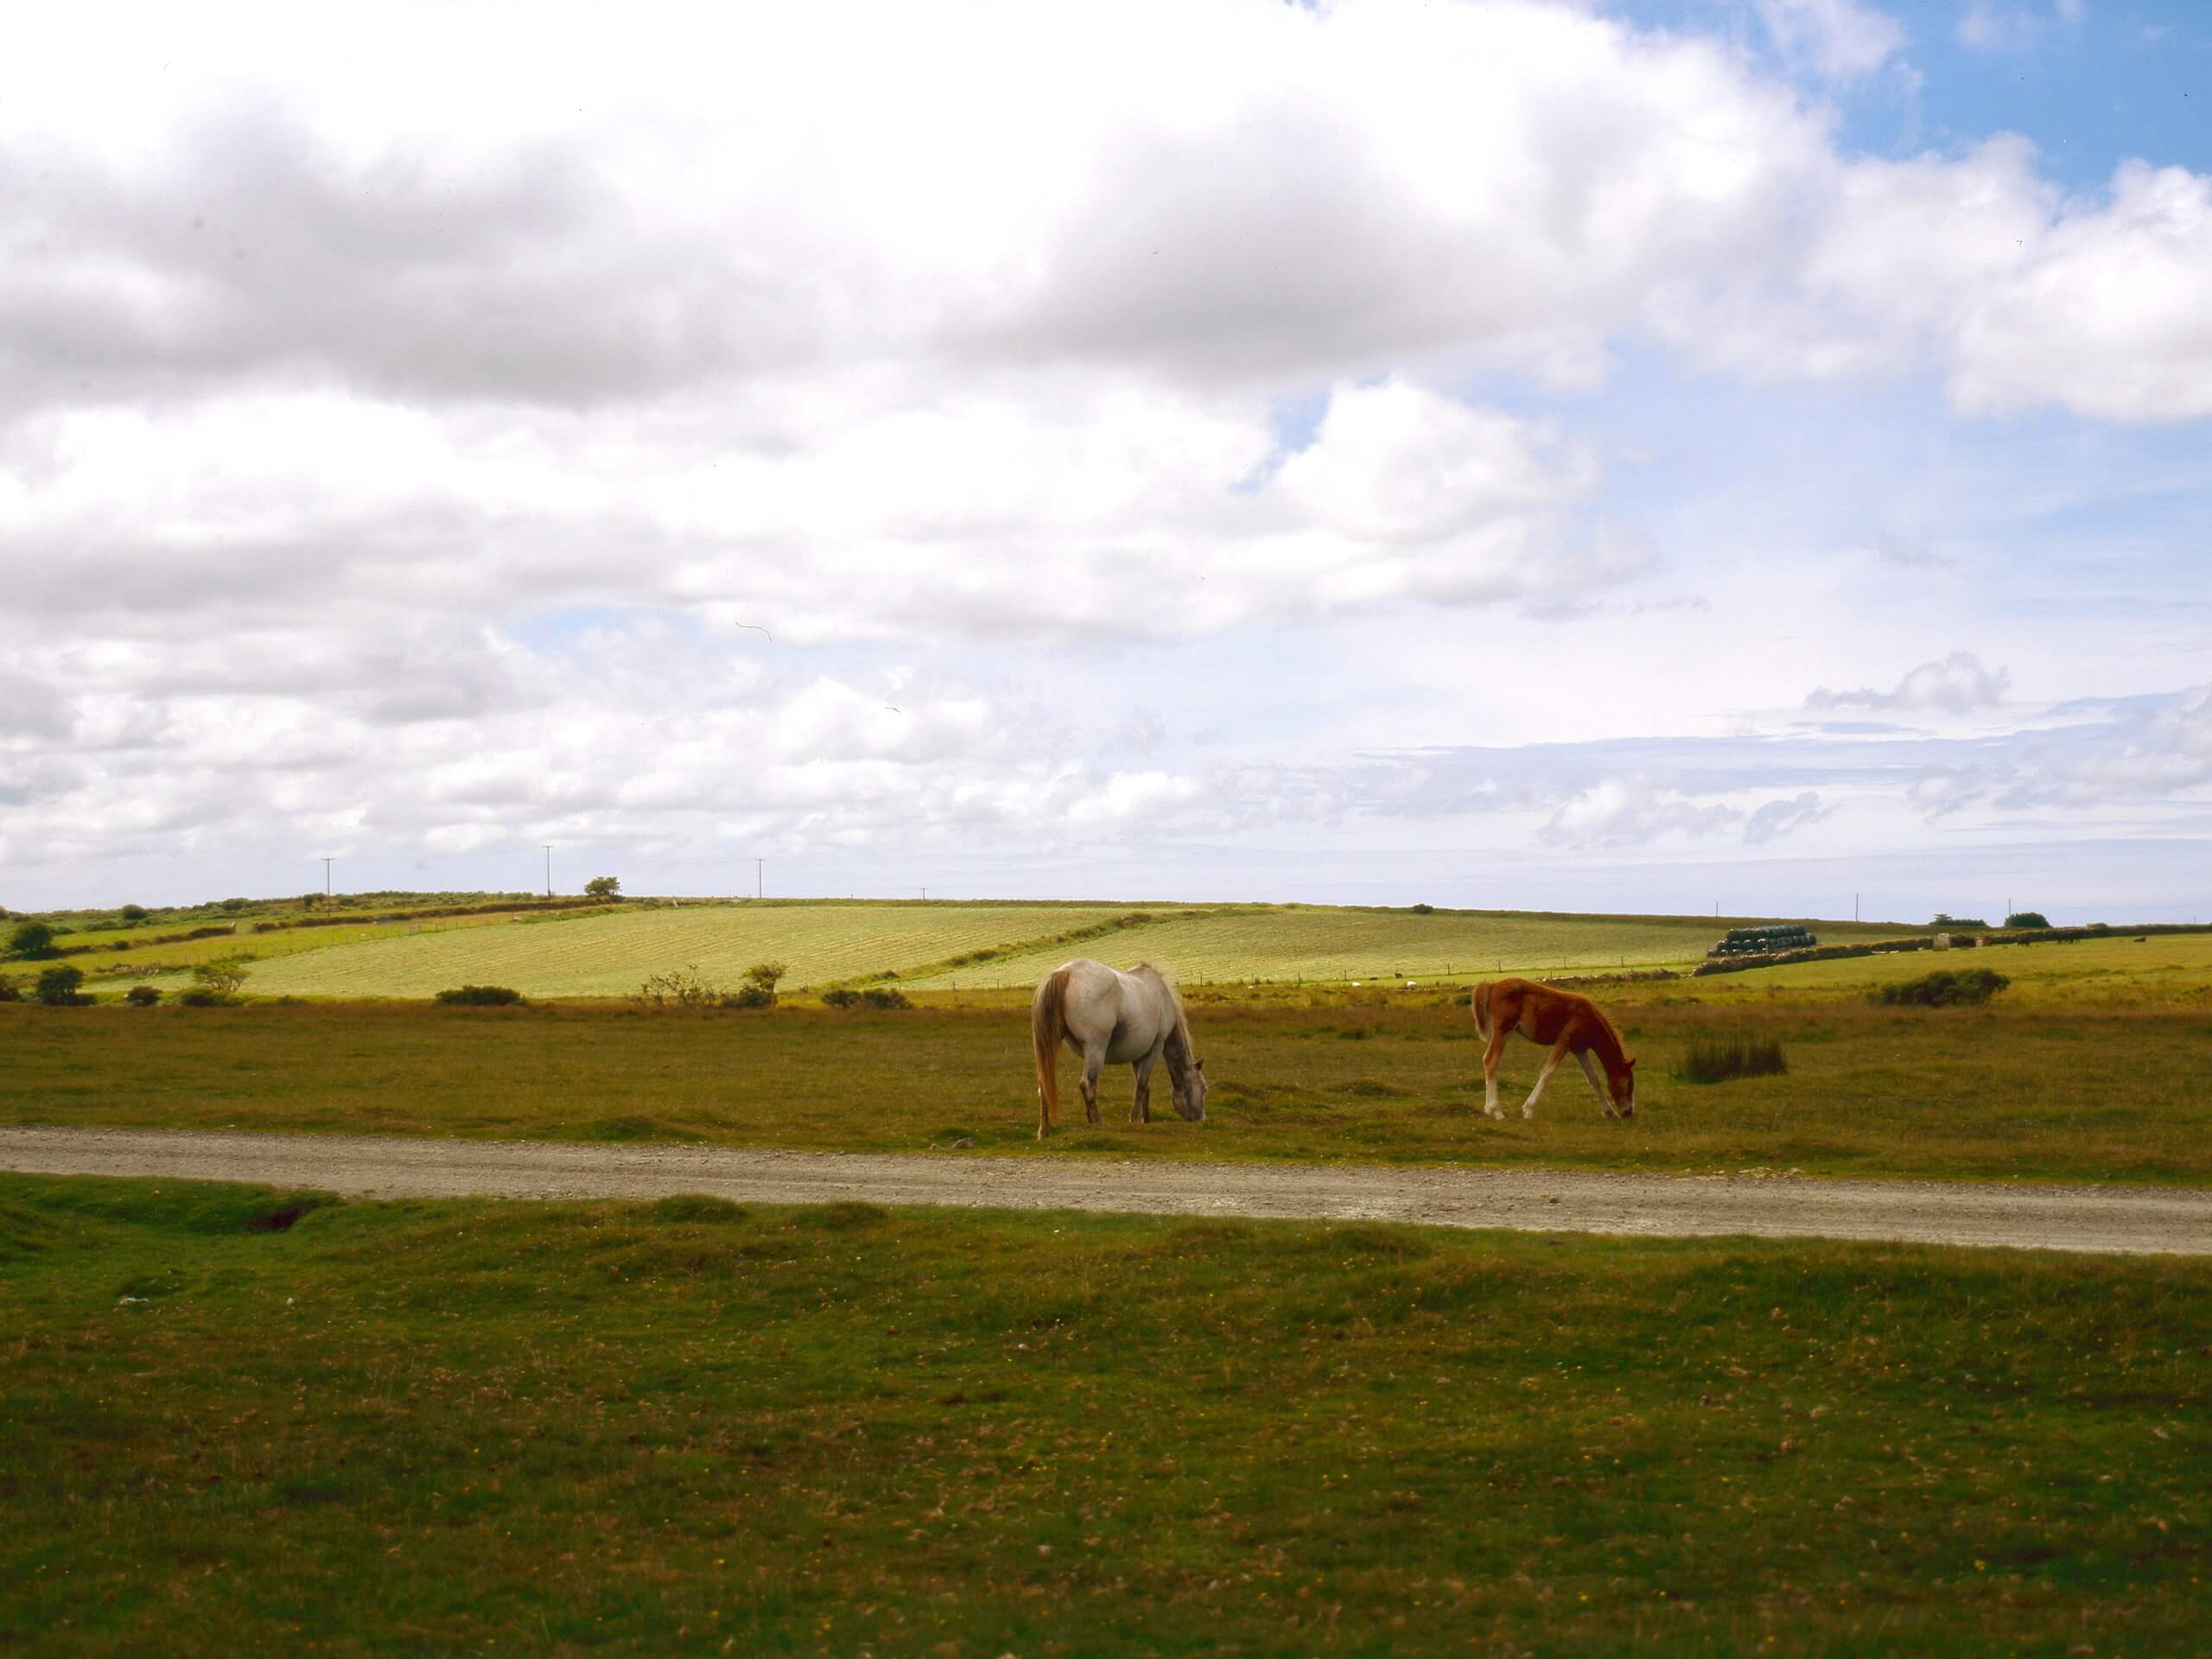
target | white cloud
[
  {"x": 1839, "y": 40},
  {"x": 1776, "y": 819},
  {"x": 1958, "y": 685}
]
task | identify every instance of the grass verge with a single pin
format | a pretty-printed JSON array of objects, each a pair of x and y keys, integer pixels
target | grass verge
[{"x": 689, "y": 1427}]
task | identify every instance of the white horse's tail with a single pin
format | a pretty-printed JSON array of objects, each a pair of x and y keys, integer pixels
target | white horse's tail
[
  {"x": 1048, "y": 1027},
  {"x": 1481, "y": 1006}
]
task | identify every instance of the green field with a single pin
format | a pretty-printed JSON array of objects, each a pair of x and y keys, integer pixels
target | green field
[
  {"x": 689, "y": 1428},
  {"x": 923, "y": 946},
  {"x": 2117, "y": 1089}
]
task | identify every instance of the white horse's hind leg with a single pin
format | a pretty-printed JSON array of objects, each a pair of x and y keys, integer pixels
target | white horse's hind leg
[
  {"x": 1094, "y": 1062},
  {"x": 1528, "y": 1106},
  {"x": 1597, "y": 1082}
]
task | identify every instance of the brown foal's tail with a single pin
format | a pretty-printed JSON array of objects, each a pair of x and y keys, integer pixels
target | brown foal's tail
[
  {"x": 1048, "y": 1026},
  {"x": 1482, "y": 1010}
]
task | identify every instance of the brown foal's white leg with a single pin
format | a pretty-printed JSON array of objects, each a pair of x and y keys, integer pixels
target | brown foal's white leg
[
  {"x": 1558, "y": 1053},
  {"x": 1597, "y": 1082},
  {"x": 1490, "y": 1056}
]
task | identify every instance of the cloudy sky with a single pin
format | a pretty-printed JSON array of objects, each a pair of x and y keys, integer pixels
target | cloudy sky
[{"x": 1649, "y": 455}]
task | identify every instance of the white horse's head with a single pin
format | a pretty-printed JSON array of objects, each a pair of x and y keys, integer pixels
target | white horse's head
[{"x": 1190, "y": 1092}]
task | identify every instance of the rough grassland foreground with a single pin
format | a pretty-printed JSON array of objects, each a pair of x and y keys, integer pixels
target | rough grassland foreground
[{"x": 689, "y": 1428}]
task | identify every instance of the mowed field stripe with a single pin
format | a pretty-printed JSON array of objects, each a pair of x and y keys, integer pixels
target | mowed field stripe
[{"x": 2119, "y": 1220}]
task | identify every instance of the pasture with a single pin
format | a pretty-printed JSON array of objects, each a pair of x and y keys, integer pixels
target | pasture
[
  {"x": 686, "y": 1427},
  {"x": 941, "y": 946},
  {"x": 2117, "y": 1089}
]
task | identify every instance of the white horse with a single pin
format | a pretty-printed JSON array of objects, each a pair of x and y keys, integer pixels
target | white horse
[{"x": 1132, "y": 1018}]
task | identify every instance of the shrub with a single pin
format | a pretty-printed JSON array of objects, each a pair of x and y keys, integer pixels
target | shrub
[
  {"x": 8, "y": 993},
  {"x": 679, "y": 988},
  {"x": 57, "y": 986},
  {"x": 133, "y": 912},
  {"x": 1943, "y": 989},
  {"x": 759, "y": 990},
  {"x": 222, "y": 976},
  {"x": 604, "y": 886},
  {"x": 232, "y": 905},
  {"x": 840, "y": 997},
  {"x": 142, "y": 996},
  {"x": 884, "y": 997},
  {"x": 2027, "y": 919},
  {"x": 31, "y": 941},
  {"x": 1957, "y": 923},
  {"x": 1424, "y": 910},
  {"x": 199, "y": 997},
  {"x": 480, "y": 996},
  {"x": 1716, "y": 1059}
]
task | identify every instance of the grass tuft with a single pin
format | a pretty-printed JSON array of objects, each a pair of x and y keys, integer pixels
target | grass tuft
[{"x": 1718, "y": 1060}]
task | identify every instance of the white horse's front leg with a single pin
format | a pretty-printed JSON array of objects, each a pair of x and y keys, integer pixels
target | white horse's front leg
[
  {"x": 1528, "y": 1106},
  {"x": 1597, "y": 1082},
  {"x": 1142, "y": 1111}
]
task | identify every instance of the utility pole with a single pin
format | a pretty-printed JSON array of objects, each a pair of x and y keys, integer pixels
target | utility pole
[
  {"x": 548, "y": 870},
  {"x": 326, "y": 878},
  {"x": 1854, "y": 906},
  {"x": 759, "y": 878},
  {"x": 925, "y": 895}
]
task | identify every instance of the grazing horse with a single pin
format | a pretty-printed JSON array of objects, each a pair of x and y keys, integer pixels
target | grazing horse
[
  {"x": 1570, "y": 1024},
  {"x": 1134, "y": 1019}
]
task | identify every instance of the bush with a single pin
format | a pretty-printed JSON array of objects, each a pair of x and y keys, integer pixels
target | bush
[
  {"x": 199, "y": 997},
  {"x": 31, "y": 941},
  {"x": 1958, "y": 924},
  {"x": 2027, "y": 919},
  {"x": 759, "y": 990},
  {"x": 480, "y": 996},
  {"x": 1943, "y": 989},
  {"x": 57, "y": 986},
  {"x": 604, "y": 886},
  {"x": 1716, "y": 1059},
  {"x": 133, "y": 912},
  {"x": 884, "y": 998},
  {"x": 679, "y": 988},
  {"x": 841, "y": 998},
  {"x": 8, "y": 993},
  {"x": 142, "y": 996},
  {"x": 222, "y": 976}
]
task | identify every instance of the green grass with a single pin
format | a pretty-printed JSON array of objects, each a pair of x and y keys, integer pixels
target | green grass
[
  {"x": 2111, "y": 1092},
  {"x": 689, "y": 1428}
]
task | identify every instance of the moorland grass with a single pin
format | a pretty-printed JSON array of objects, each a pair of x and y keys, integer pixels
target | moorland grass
[
  {"x": 689, "y": 1427},
  {"x": 2111, "y": 1091}
]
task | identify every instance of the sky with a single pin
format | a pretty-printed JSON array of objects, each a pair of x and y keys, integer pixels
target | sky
[{"x": 1662, "y": 456}]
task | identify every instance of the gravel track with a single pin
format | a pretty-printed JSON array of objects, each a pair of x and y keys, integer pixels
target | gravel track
[{"x": 2115, "y": 1219}]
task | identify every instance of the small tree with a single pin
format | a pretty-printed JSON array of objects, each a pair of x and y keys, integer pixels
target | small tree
[
  {"x": 221, "y": 977},
  {"x": 604, "y": 886},
  {"x": 31, "y": 941},
  {"x": 2027, "y": 919},
  {"x": 142, "y": 996},
  {"x": 133, "y": 912},
  {"x": 759, "y": 990},
  {"x": 57, "y": 986}
]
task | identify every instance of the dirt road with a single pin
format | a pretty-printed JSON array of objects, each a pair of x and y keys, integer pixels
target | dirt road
[{"x": 2131, "y": 1220}]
